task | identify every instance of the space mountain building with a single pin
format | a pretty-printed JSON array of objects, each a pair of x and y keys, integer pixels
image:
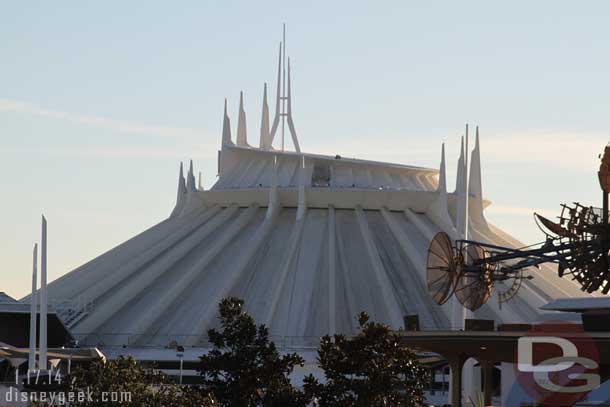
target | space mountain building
[{"x": 307, "y": 240}]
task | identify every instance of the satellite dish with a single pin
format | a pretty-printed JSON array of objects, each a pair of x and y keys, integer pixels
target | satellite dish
[
  {"x": 475, "y": 282},
  {"x": 441, "y": 268}
]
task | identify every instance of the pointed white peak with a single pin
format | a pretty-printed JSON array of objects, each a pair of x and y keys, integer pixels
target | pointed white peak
[
  {"x": 200, "y": 183},
  {"x": 226, "y": 128},
  {"x": 438, "y": 210},
  {"x": 460, "y": 169},
  {"x": 293, "y": 132},
  {"x": 278, "y": 97},
  {"x": 264, "y": 140},
  {"x": 475, "y": 184},
  {"x": 442, "y": 174},
  {"x": 181, "y": 194},
  {"x": 181, "y": 182},
  {"x": 242, "y": 139},
  {"x": 190, "y": 180}
]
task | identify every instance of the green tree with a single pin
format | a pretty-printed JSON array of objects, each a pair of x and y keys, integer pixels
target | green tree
[
  {"x": 371, "y": 369},
  {"x": 244, "y": 368},
  {"x": 125, "y": 382}
]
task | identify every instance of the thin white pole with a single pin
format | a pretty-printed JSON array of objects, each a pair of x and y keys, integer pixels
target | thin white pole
[
  {"x": 466, "y": 153},
  {"x": 33, "y": 310},
  {"x": 181, "y": 369},
  {"x": 283, "y": 83},
  {"x": 42, "y": 363}
]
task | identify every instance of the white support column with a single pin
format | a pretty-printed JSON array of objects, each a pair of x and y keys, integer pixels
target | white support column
[
  {"x": 33, "y": 311},
  {"x": 233, "y": 274},
  {"x": 419, "y": 224},
  {"x": 42, "y": 362},
  {"x": 286, "y": 266},
  {"x": 274, "y": 196},
  {"x": 332, "y": 272},
  {"x": 166, "y": 299},
  {"x": 125, "y": 289},
  {"x": 302, "y": 199},
  {"x": 387, "y": 293}
]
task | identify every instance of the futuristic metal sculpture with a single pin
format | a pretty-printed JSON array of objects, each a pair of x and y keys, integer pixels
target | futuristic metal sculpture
[{"x": 578, "y": 244}]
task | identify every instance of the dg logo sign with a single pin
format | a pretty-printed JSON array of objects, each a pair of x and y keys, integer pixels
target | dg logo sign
[{"x": 558, "y": 364}]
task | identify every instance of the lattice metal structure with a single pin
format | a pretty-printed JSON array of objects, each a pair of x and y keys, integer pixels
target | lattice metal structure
[{"x": 578, "y": 243}]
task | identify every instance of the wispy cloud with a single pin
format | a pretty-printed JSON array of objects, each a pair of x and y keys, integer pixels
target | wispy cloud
[
  {"x": 175, "y": 151},
  {"x": 557, "y": 148},
  {"x": 519, "y": 211},
  {"x": 123, "y": 126}
]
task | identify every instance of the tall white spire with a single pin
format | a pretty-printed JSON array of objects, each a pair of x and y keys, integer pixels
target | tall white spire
[
  {"x": 459, "y": 190},
  {"x": 190, "y": 180},
  {"x": 442, "y": 175},
  {"x": 283, "y": 103},
  {"x": 226, "y": 128},
  {"x": 475, "y": 187},
  {"x": 265, "y": 144},
  {"x": 42, "y": 362},
  {"x": 33, "y": 311},
  {"x": 200, "y": 183},
  {"x": 293, "y": 132},
  {"x": 438, "y": 210},
  {"x": 242, "y": 138},
  {"x": 278, "y": 99},
  {"x": 181, "y": 193}
]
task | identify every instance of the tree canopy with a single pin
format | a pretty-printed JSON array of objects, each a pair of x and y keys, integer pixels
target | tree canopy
[
  {"x": 244, "y": 368},
  {"x": 370, "y": 369}
]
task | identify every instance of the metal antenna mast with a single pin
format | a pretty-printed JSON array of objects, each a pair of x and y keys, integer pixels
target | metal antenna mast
[
  {"x": 283, "y": 106},
  {"x": 283, "y": 113}
]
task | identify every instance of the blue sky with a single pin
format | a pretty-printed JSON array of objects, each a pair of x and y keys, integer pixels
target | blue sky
[{"x": 100, "y": 101}]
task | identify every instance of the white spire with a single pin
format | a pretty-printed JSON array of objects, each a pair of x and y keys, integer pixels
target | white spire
[
  {"x": 265, "y": 144},
  {"x": 278, "y": 98},
  {"x": 293, "y": 132},
  {"x": 181, "y": 194},
  {"x": 438, "y": 209},
  {"x": 190, "y": 180},
  {"x": 181, "y": 182},
  {"x": 283, "y": 103},
  {"x": 226, "y": 128},
  {"x": 475, "y": 187},
  {"x": 242, "y": 138},
  {"x": 199, "y": 183},
  {"x": 42, "y": 362},
  {"x": 442, "y": 176},
  {"x": 460, "y": 168},
  {"x": 33, "y": 311}
]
